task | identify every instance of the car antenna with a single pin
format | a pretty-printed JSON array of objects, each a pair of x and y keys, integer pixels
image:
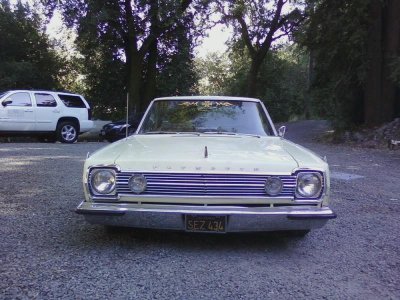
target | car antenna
[{"x": 127, "y": 115}]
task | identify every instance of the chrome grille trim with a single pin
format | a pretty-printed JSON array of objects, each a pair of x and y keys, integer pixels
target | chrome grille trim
[{"x": 189, "y": 184}]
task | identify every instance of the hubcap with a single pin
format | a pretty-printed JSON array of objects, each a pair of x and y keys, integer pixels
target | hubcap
[{"x": 68, "y": 133}]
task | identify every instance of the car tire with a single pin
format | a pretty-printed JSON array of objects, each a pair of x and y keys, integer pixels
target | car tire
[{"x": 67, "y": 132}]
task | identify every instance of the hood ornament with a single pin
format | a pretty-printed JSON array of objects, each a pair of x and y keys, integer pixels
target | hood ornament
[{"x": 205, "y": 152}]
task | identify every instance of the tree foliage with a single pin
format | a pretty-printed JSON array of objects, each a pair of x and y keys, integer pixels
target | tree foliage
[
  {"x": 347, "y": 68},
  {"x": 352, "y": 70},
  {"x": 214, "y": 72},
  {"x": 26, "y": 56},
  {"x": 282, "y": 80},
  {"x": 258, "y": 24},
  {"x": 136, "y": 41}
]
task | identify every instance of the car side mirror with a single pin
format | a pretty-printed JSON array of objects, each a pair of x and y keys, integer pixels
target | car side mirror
[
  {"x": 281, "y": 131},
  {"x": 6, "y": 102}
]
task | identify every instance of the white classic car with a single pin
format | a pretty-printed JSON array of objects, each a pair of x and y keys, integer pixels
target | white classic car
[{"x": 207, "y": 164}]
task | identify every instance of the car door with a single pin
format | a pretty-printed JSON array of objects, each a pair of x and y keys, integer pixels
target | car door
[
  {"x": 17, "y": 113},
  {"x": 47, "y": 111}
]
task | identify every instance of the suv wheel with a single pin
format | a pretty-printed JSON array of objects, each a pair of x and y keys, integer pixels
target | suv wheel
[{"x": 67, "y": 132}]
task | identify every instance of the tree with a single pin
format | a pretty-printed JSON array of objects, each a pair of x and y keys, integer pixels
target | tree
[
  {"x": 104, "y": 80},
  {"x": 135, "y": 31},
  {"x": 355, "y": 44},
  {"x": 381, "y": 94},
  {"x": 214, "y": 72},
  {"x": 176, "y": 68},
  {"x": 26, "y": 57},
  {"x": 258, "y": 23},
  {"x": 282, "y": 80},
  {"x": 334, "y": 33}
]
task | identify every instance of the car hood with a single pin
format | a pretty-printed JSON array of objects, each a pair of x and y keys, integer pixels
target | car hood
[{"x": 187, "y": 153}]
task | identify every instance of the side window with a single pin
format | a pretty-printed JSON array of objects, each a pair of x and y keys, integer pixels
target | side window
[
  {"x": 72, "y": 101},
  {"x": 45, "y": 100},
  {"x": 19, "y": 99}
]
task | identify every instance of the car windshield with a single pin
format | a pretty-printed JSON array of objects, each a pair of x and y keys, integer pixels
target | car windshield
[{"x": 208, "y": 117}]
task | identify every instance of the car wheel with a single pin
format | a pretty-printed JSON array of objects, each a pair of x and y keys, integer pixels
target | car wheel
[{"x": 67, "y": 132}]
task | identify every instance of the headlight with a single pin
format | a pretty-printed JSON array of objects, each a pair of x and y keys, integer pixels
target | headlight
[
  {"x": 273, "y": 186},
  {"x": 309, "y": 185},
  {"x": 103, "y": 181},
  {"x": 137, "y": 184}
]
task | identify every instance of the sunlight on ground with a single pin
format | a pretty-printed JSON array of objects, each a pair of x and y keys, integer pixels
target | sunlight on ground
[
  {"x": 27, "y": 148},
  {"x": 10, "y": 164}
]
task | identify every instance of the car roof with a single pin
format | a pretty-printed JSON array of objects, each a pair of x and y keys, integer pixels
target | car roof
[
  {"x": 209, "y": 98},
  {"x": 42, "y": 91}
]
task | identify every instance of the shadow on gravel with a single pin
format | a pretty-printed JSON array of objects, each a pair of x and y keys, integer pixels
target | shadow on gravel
[
  {"x": 305, "y": 131},
  {"x": 132, "y": 238}
]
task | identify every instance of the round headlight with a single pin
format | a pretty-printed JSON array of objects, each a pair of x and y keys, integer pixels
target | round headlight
[
  {"x": 273, "y": 186},
  {"x": 309, "y": 184},
  {"x": 103, "y": 181},
  {"x": 137, "y": 184}
]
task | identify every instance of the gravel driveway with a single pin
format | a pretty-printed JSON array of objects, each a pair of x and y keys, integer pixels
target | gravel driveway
[{"x": 49, "y": 252}]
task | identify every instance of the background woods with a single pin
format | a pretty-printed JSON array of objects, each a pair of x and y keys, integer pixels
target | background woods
[
  {"x": 353, "y": 47},
  {"x": 27, "y": 59},
  {"x": 312, "y": 58}
]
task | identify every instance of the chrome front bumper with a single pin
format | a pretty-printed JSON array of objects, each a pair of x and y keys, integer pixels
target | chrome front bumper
[{"x": 238, "y": 218}]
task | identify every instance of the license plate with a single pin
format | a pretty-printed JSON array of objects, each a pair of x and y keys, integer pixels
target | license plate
[
  {"x": 205, "y": 223},
  {"x": 102, "y": 132}
]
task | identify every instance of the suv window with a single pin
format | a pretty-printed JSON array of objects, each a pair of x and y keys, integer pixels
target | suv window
[
  {"x": 19, "y": 99},
  {"x": 45, "y": 100},
  {"x": 72, "y": 101}
]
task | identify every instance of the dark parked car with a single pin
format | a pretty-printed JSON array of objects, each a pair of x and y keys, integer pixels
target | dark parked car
[{"x": 115, "y": 131}]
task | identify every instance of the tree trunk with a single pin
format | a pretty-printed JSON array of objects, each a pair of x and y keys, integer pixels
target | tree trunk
[
  {"x": 383, "y": 45},
  {"x": 133, "y": 61},
  {"x": 251, "y": 90},
  {"x": 151, "y": 73},
  {"x": 373, "y": 87},
  {"x": 310, "y": 80},
  {"x": 391, "y": 39},
  {"x": 134, "y": 82}
]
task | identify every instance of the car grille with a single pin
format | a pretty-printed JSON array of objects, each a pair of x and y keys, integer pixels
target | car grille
[{"x": 183, "y": 184}]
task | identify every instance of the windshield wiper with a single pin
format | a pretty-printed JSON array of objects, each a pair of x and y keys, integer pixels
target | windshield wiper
[
  {"x": 205, "y": 132},
  {"x": 160, "y": 132},
  {"x": 189, "y": 132},
  {"x": 230, "y": 133},
  {"x": 172, "y": 132}
]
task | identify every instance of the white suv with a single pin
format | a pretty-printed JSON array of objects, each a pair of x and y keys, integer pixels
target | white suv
[{"x": 48, "y": 115}]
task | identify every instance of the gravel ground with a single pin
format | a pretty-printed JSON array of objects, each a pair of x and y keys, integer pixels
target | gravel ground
[{"x": 49, "y": 252}]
